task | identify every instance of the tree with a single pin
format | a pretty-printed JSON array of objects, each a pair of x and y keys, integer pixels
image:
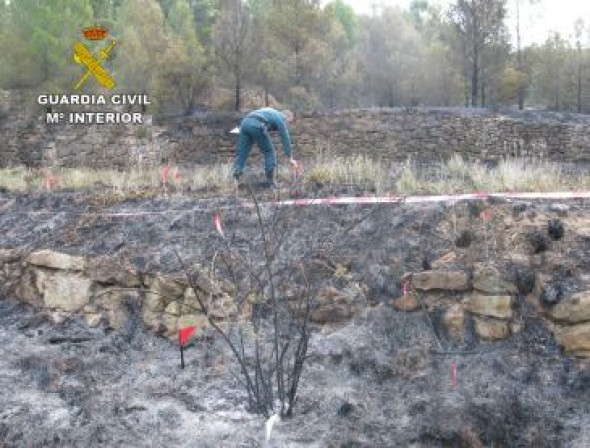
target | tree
[
  {"x": 391, "y": 54},
  {"x": 336, "y": 83},
  {"x": 294, "y": 25},
  {"x": 140, "y": 23},
  {"x": 233, "y": 42},
  {"x": 36, "y": 47},
  {"x": 579, "y": 28},
  {"x": 480, "y": 26},
  {"x": 267, "y": 318},
  {"x": 549, "y": 72},
  {"x": 183, "y": 73},
  {"x": 205, "y": 13},
  {"x": 519, "y": 57},
  {"x": 267, "y": 66}
]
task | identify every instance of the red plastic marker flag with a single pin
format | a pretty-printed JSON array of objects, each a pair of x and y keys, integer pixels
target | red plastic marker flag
[
  {"x": 297, "y": 168},
  {"x": 165, "y": 171},
  {"x": 454, "y": 373},
  {"x": 217, "y": 221},
  {"x": 48, "y": 181},
  {"x": 485, "y": 215},
  {"x": 184, "y": 334},
  {"x": 176, "y": 174}
]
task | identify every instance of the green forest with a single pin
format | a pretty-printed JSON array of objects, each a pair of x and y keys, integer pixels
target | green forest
[{"x": 305, "y": 54}]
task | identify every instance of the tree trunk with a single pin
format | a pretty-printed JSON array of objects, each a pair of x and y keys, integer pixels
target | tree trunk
[
  {"x": 519, "y": 58},
  {"x": 238, "y": 91},
  {"x": 579, "y": 77},
  {"x": 474, "y": 77}
]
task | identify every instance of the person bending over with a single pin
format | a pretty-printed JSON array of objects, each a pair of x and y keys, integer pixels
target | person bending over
[{"x": 254, "y": 128}]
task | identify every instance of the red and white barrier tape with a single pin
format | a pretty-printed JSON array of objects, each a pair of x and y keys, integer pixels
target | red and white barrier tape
[
  {"x": 344, "y": 200},
  {"x": 438, "y": 198}
]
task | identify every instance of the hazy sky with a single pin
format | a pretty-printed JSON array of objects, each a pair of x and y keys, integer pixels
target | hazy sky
[{"x": 536, "y": 21}]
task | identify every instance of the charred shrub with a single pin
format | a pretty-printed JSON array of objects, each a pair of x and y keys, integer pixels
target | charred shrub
[
  {"x": 552, "y": 294},
  {"x": 464, "y": 239},
  {"x": 539, "y": 242},
  {"x": 525, "y": 280},
  {"x": 555, "y": 229}
]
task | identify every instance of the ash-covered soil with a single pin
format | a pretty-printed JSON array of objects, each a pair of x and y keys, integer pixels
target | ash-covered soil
[{"x": 382, "y": 379}]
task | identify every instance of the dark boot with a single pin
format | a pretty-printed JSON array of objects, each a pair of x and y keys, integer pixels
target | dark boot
[{"x": 270, "y": 182}]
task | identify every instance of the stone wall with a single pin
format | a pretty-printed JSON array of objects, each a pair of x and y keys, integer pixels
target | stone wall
[
  {"x": 388, "y": 134},
  {"x": 104, "y": 289},
  {"x": 395, "y": 134}
]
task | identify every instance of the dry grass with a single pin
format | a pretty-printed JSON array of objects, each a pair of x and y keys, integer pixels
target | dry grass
[
  {"x": 452, "y": 176},
  {"x": 356, "y": 170},
  {"x": 119, "y": 182}
]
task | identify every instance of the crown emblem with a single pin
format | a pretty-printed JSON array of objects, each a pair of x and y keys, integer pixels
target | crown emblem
[{"x": 96, "y": 32}]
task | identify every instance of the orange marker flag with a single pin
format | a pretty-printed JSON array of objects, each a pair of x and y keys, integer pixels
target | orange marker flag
[{"x": 165, "y": 172}]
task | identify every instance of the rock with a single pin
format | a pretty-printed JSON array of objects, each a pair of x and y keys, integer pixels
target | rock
[
  {"x": 196, "y": 319},
  {"x": 166, "y": 287},
  {"x": 222, "y": 307},
  {"x": 574, "y": 309},
  {"x": 209, "y": 285},
  {"x": 112, "y": 303},
  {"x": 519, "y": 258},
  {"x": 154, "y": 303},
  {"x": 64, "y": 290},
  {"x": 58, "y": 317},
  {"x": 575, "y": 339},
  {"x": 56, "y": 260},
  {"x": 9, "y": 256},
  {"x": 173, "y": 309},
  {"x": 27, "y": 289},
  {"x": 190, "y": 304},
  {"x": 335, "y": 306},
  {"x": 516, "y": 327},
  {"x": 454, "y": 321},
  {"x": 560, "y": 209},
  {"x": 445, "y": 280},
  {"x": 170, "y": 324},
  {"x": 446, "y": 259},
  {"x": 409, "y": 302},
  {"x": 499, "y": 306},
  {"x": 583, "y": 232},
  {"x": 491, "y": 329},
  {"x": 487, "y": 279},
  {"x": 93, "y": 319},
  {"x": 111, "y": 271},
  {"x": 151, "y": 319}
]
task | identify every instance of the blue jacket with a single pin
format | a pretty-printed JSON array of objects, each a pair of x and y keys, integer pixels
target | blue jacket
[{"x": 276, "y": 122}]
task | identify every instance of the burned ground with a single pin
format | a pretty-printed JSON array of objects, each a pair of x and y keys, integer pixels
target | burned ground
[{"x": 382, "y": 378}]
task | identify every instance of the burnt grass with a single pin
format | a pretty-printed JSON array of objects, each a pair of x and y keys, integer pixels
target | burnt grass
[{"x": 382, "y": 379}]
